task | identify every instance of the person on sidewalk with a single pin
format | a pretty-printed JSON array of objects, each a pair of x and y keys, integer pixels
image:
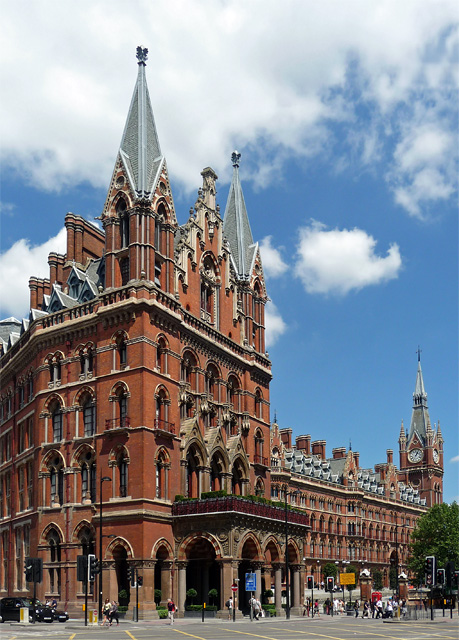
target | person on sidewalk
[
  {"x": 106, "y": 613},
  {"x": 229, "y": 606},
  {"x": 170, "y": 610},
  {"x": 113, "y": 615}
]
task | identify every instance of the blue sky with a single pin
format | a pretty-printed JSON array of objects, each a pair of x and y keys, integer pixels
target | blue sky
[{"x": 346, "y": 118}]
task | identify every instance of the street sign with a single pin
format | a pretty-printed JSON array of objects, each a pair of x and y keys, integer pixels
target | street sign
[
  {"x": 234, "y": 587},
  {"x": 347, "y": 578},
  {"x": 250, "y": 581}
]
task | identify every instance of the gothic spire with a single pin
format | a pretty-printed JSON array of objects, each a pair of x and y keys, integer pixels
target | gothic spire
[
  {"x": 236, "y": 226},
  {"x": 140, "y": 151},
  {"x": 420, "y": 419}
]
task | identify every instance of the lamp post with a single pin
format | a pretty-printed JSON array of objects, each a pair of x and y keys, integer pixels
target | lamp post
[
  {"x": 287, "y": 568},
  {"x": 102, "y": 480}
]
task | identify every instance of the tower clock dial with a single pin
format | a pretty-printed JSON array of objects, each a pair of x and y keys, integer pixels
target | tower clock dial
[
  {"x": 436, "y": 457},
  {"x": 415, "y": 455}
]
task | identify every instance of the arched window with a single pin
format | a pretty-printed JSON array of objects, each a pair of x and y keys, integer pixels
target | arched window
[
  {"x": 216, "y": 473},
  {"x": 162, "y": 468},
  {"x": 89, "y": 415},
  {"x": 208, "y": 288},
  {"x": 237, "y": 477},
  {"x": 54, "y": 571},
  {"x": 57, "y": 422},
  {"x": 124, "y": 271},
  {"x": 120, "y": 351},
  {"x": 233, "y": 388},
  {"x": 258, "y": 444},
  {"x": 161, "y": 421},
  {"x": 122, "y": 466},
  {"x": 188, "y": 370},
  {"x": 56, "y": 476},
  {"x": 88, "y": 478},
  {"x": 122, "y": 407},
  {"x": 161, "y": 356},
  {"x": 259, "y": 488},
  {"x": 192, "y": 476},
  {"x": 258, "y": 404},
  {"x": 124, "y": 222}
]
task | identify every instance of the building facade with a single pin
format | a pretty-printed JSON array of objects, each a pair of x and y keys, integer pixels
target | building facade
[{"x": 135, "y": 416}]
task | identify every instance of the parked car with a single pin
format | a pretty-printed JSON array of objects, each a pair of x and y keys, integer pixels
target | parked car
[{"x": 10, "y": 609}]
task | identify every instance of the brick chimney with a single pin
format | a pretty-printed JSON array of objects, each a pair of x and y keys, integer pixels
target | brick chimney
[
  {"x": 356, "y": 458},
  {"x": 318, "y": 448},
  {"x": 339, "y": 452},
  {"x": 286, "y": 437},
  {"x": 303, "y": 443},
  {"x": 390, "y": 456}
]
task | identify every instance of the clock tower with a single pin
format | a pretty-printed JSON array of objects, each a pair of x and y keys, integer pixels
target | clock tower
[{"x": 421, "y": 449}]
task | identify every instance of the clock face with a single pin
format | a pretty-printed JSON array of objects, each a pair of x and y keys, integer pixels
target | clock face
[
  {"x": 436, "y": 457},
  {"x": 415, "y": 455}
]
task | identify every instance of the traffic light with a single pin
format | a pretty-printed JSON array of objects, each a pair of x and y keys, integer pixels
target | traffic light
[
  {"x": 430, "y": 570},
  {"x": 37, "y": 570},
  {"x": 310, "y": 582},
  {"x": 28, "y": 569},
  {"x": 131, "y": 576},
  {"x": 330, "y": 584},
  {"x": 440, "y": 576},
  {"x": 82, "y": 568},
  {"x": 455, "y": 580},
  {"x": 93, "y": 567},
  {"x": 140, "y": 580}
]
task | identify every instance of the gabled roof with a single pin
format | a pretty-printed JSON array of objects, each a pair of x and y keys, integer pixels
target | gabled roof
[
  {"x": 140, "y": 152},
  {"x": 236, "y": 226}
]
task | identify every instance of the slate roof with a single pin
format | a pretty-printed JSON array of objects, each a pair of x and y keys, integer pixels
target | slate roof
[
  {"x": 236, "y": 226},
  {"x": 420, "y": 418},
  {"x": 332, "y": 470}
]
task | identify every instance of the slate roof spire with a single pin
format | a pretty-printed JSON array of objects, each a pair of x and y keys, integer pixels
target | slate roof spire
[
  {"x": 420, "y": 419},
  {"x": 236, "y": 226},
  {"x": 140, "y": 151}
]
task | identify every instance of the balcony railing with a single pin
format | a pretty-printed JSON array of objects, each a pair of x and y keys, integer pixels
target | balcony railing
[
  {"x": 118, "y": 423},
  {"x": 240, "y": 505},
  {"x": 163, "y": 425},
  {"x": 260, "y": 460}
]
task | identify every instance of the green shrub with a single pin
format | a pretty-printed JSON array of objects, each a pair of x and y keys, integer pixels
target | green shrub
[
  {"x": 122, "y": 608},
  {"x": 193, "y": 607},
  {"x": 213, "y": 494},
  {"x": 162, "y": 613},
  {"x": 157, "y": 597},
  {"x": 161, "y": 607}
]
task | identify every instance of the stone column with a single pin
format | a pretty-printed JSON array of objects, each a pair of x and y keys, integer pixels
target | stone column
[
  {"x": 296, "y": 606},
  {"x": 277, "y": 568},
  {"x": 181, "y": 589},
  {"x": 257, "y": 570},
  {"x": 227, "y": 577},
  {"x": 166, "y": 591}
]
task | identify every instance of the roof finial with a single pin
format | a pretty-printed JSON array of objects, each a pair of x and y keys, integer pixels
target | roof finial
[
  {"x": 275, "y": 416},
  {"x": 419, "y": 353},
  {"x": 235, "y": 157},
  {"x": 142, "y": 55},
  {"x": 350, "y": 445}
]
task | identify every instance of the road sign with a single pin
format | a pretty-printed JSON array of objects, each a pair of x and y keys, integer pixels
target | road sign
[
  {"x": 250, "y": 581},
  {"x": 234, "y": 587},
  {"x": 347, "y": 578}
]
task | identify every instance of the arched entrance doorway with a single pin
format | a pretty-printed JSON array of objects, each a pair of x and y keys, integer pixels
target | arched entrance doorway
[
  {"x": 163, "y": 567},
  {"x": 203, "y": 572},
  {"x": 121, "y": 571},
  {"x": 249, "y": 557}
]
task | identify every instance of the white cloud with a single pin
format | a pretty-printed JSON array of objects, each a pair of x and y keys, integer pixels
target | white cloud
[
  {"x": 7, "y": 208},
  {"x": 455, "y": 459},
  {"x": 21, "y": 261},
  {"x": 275, "y": 325},
  {"x": 339, "y": 261},
  {"x": 273, "y": 265},
  {"x": 220, "y": 75}
]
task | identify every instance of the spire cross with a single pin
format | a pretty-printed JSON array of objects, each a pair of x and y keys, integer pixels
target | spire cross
[
  {"x": 235, "y": 157},
  {"x": 419, "y": 353},
  {"x": 142, "y": 55}
]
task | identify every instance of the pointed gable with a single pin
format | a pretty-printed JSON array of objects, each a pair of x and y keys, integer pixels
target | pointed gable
[{"x": 420, "y": 419}]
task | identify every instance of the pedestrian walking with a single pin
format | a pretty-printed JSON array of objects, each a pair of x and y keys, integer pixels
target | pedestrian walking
[
  {"x": 106, "y": 613},
  {"x": 170, "y": 611},
  {"x": 113, "y": 615}
]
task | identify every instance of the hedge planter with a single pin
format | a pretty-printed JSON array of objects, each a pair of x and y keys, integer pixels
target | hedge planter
[{"x": 198, "y": 614}]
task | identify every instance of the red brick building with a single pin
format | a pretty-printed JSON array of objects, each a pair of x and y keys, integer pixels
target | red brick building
[{"x": 142, "y": 376}]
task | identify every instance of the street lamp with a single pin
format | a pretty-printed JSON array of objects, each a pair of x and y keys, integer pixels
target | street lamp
[
  {"x": 287, "y": 569},
  {"x": 102, "y": 480}
]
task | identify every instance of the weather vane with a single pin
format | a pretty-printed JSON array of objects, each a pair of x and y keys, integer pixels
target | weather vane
[
  {"x": 142, "y": 55},
  {"x": 235, "y": 157}
]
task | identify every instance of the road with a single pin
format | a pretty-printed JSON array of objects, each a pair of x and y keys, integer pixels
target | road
[{"x": 325, "y": 628}]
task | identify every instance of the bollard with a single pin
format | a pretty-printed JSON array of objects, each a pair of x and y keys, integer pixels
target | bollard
[{"x": 203, "y": 611}]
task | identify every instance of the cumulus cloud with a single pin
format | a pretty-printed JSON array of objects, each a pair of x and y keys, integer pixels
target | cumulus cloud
[
  {"x": 221, "y": 76},
  {"x": 455, "y": 459},
  {"x": 16, "y": 266},
  {"x": 275, "y": 325},
  {"x": 273, "y": 264},
  {"x": 337, "y": 261}
]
